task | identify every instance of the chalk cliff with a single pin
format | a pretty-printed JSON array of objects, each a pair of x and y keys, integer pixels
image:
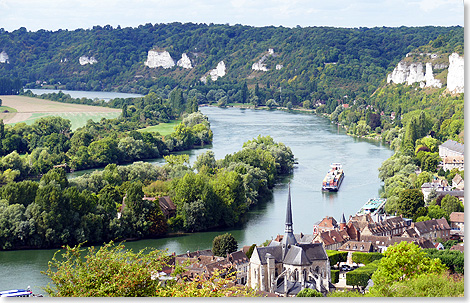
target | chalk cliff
[
  {"x": 4, "y": 57},
  {"x": 159, "y": 59},
  {"x": 455, "y": 77},
  {"x": 217, "y": 72},
  {"x": 87, "y": 60},
  {"x": 184, "y": 62},
  {"x": 260, "y": 65}
]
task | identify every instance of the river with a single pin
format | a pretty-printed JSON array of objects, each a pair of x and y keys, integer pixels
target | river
[{"x": 315, "y": 143}]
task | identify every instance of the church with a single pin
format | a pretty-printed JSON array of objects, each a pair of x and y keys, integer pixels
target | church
[{"x": 288, "y": 266}]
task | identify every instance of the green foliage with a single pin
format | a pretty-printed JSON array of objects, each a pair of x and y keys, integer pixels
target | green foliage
[
  {"x": 113, "y": 271},
  {"x": 453, "y": 259},
  {"x": 308, "y": 292},
  {"x": 402, "y": 262},
  {"x": 409, "y": 202},
  {"x": 224, "y": 244},
  {"x": 361, "y": 275},
  {"x": 451, "y": 204},
  {"x": 336, "y": 256},
  {"x": 334, "y": 276},
  {"x": 366, "y": 258}
]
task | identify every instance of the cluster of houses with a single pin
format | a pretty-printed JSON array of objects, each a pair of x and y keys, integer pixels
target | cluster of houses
[
  {"x": 452, "y": 155},
  {"x": 292, "y": 262}
]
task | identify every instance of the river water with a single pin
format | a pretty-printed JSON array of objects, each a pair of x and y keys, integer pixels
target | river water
[{"x": 315, "y": 143}]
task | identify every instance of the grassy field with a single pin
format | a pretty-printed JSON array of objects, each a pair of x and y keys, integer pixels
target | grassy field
[
  {"x": 26, "y": 109},
  {"x": 163, "y": 128}
]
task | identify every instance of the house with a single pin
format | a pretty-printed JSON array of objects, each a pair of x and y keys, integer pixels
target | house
[
  {"x": 287, "y": 267},
  {"x": 435, "y": 185},
  {"x": 357, "y": 246},
  {"x": 383, "y": 242},
  {"x": 457, "y": 220},
  {"x": 439, "y": 246},
  {"x": 241, "y": 263},
  {"x": 394, "y": 226},
  {"x": 458, "y": 182},
  {"x": 356, "y": 224},
  {"x": 430, "y": 229},
  {"x": 328, "y": 223},
  {"x": 452, "y": 155},
  {"x": 332, "y": 239},
  {"x": 457, "y": 229}
]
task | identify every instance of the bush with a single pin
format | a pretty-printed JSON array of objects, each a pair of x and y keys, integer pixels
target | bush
[
  {"x": 308, "y": 292},
  {"x": 366, "y": 258},
  {"x": 361, "y": 276},
  {"x": 337, "y": 256},
  {"x": 334, "y": 276},
  {"x": 224, "y": 244}
]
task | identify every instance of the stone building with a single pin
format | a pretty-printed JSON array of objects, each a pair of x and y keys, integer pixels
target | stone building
[
  {"x": 452, "y": 155},
  {"x": 287, "y": 267}
]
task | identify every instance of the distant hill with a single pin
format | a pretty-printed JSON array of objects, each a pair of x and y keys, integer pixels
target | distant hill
[{"x": 308, "y": 63}]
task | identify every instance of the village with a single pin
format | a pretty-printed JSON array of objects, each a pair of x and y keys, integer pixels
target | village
[{"x": 295, "y": 261}]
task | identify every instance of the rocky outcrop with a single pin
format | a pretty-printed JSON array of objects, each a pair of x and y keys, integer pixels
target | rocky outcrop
[
  {"x": 4, "y": 57},
  {"x": 410, "y": 73},
  {"x": 455, "y": 77},
  {"x": 84, "y": 60},
  {"x": 159, "y": 59},
  {"x": 184, "y": 62},
  {"x": 217, "y": 72},
  {"x": 260, "y": 66}
]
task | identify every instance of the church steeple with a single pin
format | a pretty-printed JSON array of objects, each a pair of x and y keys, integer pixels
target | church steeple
[
  {"x": 342, "y": 223},
  {"x": 289, "y": 238}
]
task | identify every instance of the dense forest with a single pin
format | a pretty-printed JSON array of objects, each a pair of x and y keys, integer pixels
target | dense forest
[
  {"x": 109, "y": 204},
  {"x": 317, "y": 62}
]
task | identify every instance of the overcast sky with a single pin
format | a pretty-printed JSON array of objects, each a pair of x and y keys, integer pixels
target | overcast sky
[{"x": 72, "y": 14}]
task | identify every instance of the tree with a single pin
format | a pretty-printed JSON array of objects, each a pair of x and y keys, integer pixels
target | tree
[
  {"x": 224, "y": 244},
  {"x": 451, "y": 204},
  {"x": 308, "y": 292},
  {"x": 402, "y": 262},
  {"x": 409, "y": 201},
  {"x": 113, "y": 271}
]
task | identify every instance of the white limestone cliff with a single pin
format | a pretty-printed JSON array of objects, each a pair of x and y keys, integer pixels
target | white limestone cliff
[
  {"x": 410, "y": 73},
  {"x": 159, "y": 59},
  {"x": 455, "y": 77},
  {"x": 87, "y": 60},
  {"x": 217, "y": 72},
  {"x": 260, "y": 66},
  {"x": 429, "y": 77},
  {"x": 4, "y": 57},
  {"x": 184, "y": 62}
]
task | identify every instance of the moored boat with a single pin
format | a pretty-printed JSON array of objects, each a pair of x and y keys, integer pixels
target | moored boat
[{"x": 333, "y": 178}]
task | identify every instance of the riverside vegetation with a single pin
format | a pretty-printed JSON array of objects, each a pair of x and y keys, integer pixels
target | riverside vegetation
[{"x": 348, "y": 66}]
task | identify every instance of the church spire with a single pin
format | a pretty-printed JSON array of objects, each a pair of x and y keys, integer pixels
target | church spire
[
  {"x": 289, "y": 223},
  {"x": 289, "y": 238}
]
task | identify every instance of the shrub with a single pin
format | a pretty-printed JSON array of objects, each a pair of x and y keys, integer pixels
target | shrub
[
  {"x": 361, "y": 276},
  {"x": 334, "y": 276},
  {"x": 337, "y": 256},
  {"x": 366, "y": 258}
]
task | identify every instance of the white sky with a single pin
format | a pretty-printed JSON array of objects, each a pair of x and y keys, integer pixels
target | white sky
[{"x": 72, "y": 14}]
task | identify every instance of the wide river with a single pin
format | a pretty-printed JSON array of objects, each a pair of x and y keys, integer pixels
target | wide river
[{"x": 315, "y": 143}]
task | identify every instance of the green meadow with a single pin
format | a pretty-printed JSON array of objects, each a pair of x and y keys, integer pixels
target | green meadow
[{"x": 162, "y": 128}]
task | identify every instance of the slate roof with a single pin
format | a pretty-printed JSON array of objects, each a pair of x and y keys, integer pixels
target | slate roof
[
  {"x": 455, "y": 146},
  {"x": 238, "y": 257},
  {"x": 167, "y": 206},
  {"x": 275, "y": 251},
  {"x": 387, "y": 225},
  {"x": 358, "y": 246},
  {"x": 431, "y": 225},
  {"x": 302, "y": 254},
  {"x": 457, "y": 217}
]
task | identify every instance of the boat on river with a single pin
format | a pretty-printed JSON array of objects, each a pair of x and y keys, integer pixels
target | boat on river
[{"x": 333, "y": 178}]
